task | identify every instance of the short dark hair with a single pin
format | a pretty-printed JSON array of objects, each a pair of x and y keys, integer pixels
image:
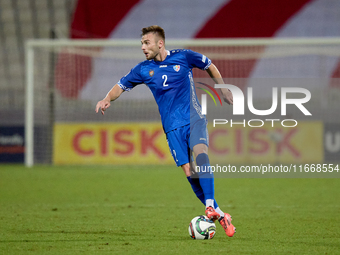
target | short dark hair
[{"x": 154, "y": 29}]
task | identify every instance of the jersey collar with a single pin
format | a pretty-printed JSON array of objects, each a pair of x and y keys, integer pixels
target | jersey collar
[{"x": 159, "y": 62}]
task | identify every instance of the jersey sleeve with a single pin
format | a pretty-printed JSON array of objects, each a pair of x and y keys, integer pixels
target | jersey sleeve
[
  {"x": 132, "y": 79},
  {"x": 198, "y": 60}
]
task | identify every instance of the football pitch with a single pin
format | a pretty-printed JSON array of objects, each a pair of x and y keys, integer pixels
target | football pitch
[{"x": 147, "y": 209}]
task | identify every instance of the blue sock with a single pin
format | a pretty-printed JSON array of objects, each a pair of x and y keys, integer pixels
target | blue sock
[
  {"x": 206, "y": 178},
  {"x": 196, "y": 187}
]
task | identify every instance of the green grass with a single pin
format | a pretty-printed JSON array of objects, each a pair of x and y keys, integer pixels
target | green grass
[{"x": 146, "y": 210}]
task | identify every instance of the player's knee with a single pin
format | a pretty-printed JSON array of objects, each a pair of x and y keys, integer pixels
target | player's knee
[{"x": 200, "y": 148}]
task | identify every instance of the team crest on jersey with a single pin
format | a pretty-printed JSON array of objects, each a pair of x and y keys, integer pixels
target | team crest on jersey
[
  {"x": 177, "y": 67},
  {"x": 151, "y": 72}
]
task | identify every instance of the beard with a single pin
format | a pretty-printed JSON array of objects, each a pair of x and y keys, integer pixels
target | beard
[{"x": 151, "y": 55}]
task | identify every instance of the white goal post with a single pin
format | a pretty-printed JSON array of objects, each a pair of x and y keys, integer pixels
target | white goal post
[{"x": 46, "y": 103}]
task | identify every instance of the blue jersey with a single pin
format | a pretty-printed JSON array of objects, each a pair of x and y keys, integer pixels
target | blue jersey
[{"x": 172, "y": 86}]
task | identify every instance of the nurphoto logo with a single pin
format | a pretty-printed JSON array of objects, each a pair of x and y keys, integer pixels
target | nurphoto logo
[{"x": 239, "y": 99}]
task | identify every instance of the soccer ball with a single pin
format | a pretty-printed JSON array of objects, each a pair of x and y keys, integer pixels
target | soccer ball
[{"x": 201, "y": 227}]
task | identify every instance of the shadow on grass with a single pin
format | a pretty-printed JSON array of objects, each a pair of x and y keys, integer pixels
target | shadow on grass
[
  {"x": 44, "y": 241},
  {"x": 121, "y": 235}
]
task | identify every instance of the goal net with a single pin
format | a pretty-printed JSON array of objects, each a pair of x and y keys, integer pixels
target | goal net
[{"x": 65, "y": 79}]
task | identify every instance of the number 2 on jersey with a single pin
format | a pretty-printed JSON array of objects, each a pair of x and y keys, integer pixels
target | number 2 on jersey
[{"x": 165, "y": 78}]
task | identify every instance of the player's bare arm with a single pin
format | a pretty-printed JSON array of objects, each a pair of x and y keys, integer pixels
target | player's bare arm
[
  {"x": 215, "y": 74},
  {"x": 112, "y": 95}
]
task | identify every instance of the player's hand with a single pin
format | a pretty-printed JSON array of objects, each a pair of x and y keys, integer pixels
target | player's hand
[
  {"x": 102, "y": 106},
  {"x": 228, "y": 96}
]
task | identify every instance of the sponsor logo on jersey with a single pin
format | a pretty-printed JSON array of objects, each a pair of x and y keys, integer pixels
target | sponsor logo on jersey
[
  {"x": 162, "y": 66},
  {"x": 151, "y": 72},
  {"x": 204, "y": 58},
  {"x": 177, "y": 67}
]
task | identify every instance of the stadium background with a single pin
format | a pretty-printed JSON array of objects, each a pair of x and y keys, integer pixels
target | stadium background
[{"x": 85, "y": 142}]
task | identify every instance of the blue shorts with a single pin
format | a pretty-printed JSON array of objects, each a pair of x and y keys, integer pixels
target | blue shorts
[{"x": 182, "y": 140}]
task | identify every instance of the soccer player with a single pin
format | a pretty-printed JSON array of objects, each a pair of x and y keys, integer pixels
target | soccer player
[{"x": 168, "y": 74}]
